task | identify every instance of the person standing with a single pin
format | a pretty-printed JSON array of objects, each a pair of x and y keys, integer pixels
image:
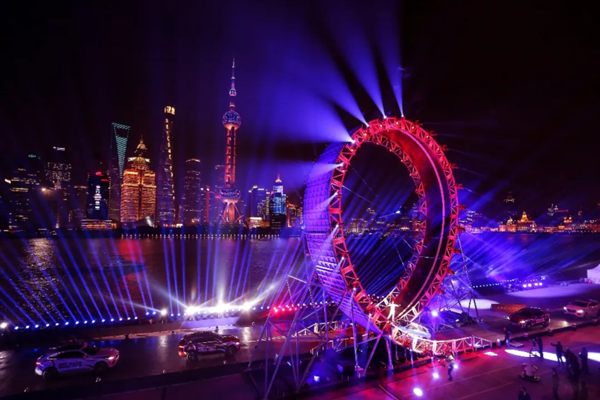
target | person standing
[
  {"x": 555, "y": 383},
  {"x": 559, "y": 353},
  {"x": 450, "y": 360},
  {"x": 523, "y": 395},
  {"x": 541, "y": 347},
  {"x": 584, "y": 360},
  {"x": 507, "y": 336},
  {"x": 573, "y": 372}
]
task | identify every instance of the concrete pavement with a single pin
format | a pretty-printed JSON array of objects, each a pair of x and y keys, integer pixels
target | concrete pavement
[{"x": 490, "y": 374}]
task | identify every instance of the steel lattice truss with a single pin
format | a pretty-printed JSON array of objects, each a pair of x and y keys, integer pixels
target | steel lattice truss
[{"x": 432, "y": 254}]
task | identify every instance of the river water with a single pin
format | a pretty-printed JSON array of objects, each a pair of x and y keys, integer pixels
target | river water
[{"x": 49, "y": 281}]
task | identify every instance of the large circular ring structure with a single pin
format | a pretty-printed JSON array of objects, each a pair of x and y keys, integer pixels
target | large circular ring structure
[{"x": 438, "y": 207}]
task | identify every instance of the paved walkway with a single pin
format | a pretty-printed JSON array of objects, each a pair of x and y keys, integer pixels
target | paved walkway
[{"x": 491, "y": 375}]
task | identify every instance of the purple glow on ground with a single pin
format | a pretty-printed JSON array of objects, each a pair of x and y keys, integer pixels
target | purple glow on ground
[{"x": 574, "y": 290}]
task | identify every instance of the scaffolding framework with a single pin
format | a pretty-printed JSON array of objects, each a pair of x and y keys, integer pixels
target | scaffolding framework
[{"x": 431, "y": 280}]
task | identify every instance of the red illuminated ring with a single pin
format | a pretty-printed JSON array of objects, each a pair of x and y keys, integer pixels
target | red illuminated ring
[{"x": 438, "y": 205}]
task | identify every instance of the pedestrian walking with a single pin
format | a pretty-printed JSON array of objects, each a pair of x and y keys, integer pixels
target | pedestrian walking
[
  {"x": 559, "y": 353},
  {"x": 584, "y": 360},
  {"x": 583, "y": 393},
  {"x": 507, "y": 336},
  {"x": 541, "y": 347},
  {"x": 555, "y": 383},
  {"x": 523, "y": 395},
  {"x": 450, "y": 360}
]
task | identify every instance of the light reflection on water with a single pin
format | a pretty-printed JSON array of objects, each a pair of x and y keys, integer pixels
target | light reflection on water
[
  {"x": 53, "y": 274},
  {"x": 50, "y": 269}
]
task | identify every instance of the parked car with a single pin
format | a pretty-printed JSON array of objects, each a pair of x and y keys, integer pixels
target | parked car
[
  {"x": 76, "y": 357},
  {"x": 529, "y": 317},
  {"x": 583, "y": 308},
  {"x": 196, "y": 344}
]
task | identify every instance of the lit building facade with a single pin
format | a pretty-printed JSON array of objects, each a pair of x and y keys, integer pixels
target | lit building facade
[
  {"x": 277, "y": 207},
  {"x": 229, "y": 193},
  {"x": 97, "y": 196},
  {"x": 58, "y": 169},
  {"x": 81, "y": 201},
  {"x": 194, "y": 195},
  {"x": 294, "y": 216},
  {"x": 257, "y": 202},
  {"x": 116, "y": 167},
  {"x": 24, "y": 185},
  {"x": 358, "y": 226},
  {"x": 165, "y": 187},
  {"x": 138, "y": 192}
]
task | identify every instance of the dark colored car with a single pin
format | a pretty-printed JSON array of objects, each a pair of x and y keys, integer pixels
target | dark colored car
[
  {"x": 454, "y": 318},
  {"x": 529, "y": 317},
  {"x": 196, "y": 344}
]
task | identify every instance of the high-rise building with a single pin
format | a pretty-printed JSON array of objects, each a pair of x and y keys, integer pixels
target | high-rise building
[
  {"x": 263, "y": 208},
  {"x": 213, "y": 205},
  {"x": 229, "y": 193},
  {"x": 138, "y": 192},
  {"x": 194, "y": 197},
  {"x": 58, "y": 169},
  {"x": 277, "y": 206},
  {"x": 294, "y": 216},
  {"x": 118, "y": 148},
  {"x": 25, "y": 183},
  {"x": 165, "y": 200},
  {"x": 97, "y": 196},
  {"x": 257, "y": 196},
  {"x": 80, "y": 193}
]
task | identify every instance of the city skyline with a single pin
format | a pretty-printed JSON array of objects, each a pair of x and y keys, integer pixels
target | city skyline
[
  {"x": 500, "y": 123},
  {"x": 414, "y": 185}
]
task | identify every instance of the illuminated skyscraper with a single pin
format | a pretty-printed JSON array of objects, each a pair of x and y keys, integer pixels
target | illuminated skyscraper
[
  {"x": 118, "y": 147},
  {"x": 58, "y": 169},
  {"x": 138, "y": 192},
  {"x": 229, "y": 194},
  {"x": 165, "y": 187},
  {"x": 257, "y": 200},
  {"x": 277, "y": 206},
  {"x": 24, "y": 185},
  {"x": 97, "y": 196},
  {"x": 194, "y": 197}
]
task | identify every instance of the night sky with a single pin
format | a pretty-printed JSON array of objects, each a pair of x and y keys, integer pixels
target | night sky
[{"x": 514, "y": 91}]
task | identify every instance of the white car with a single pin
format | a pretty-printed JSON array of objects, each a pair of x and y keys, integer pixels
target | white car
[
  {"x": 77, "y": 357},
  {"x": 582, "y": 308}
]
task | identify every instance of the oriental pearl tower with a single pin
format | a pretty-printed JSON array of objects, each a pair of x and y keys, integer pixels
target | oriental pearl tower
[{"x": 229, "y": 194}]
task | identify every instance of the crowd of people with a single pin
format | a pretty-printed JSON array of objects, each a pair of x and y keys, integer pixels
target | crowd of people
[
  {"x": 574, "y": 365},
  {"x": 570, "y": 362}
]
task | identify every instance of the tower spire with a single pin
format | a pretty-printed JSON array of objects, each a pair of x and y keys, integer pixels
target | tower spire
[
  {"x": 229, "y": 193},
  {"x": 141, "y": 147},
  {"x": 232, "y": 91}
]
